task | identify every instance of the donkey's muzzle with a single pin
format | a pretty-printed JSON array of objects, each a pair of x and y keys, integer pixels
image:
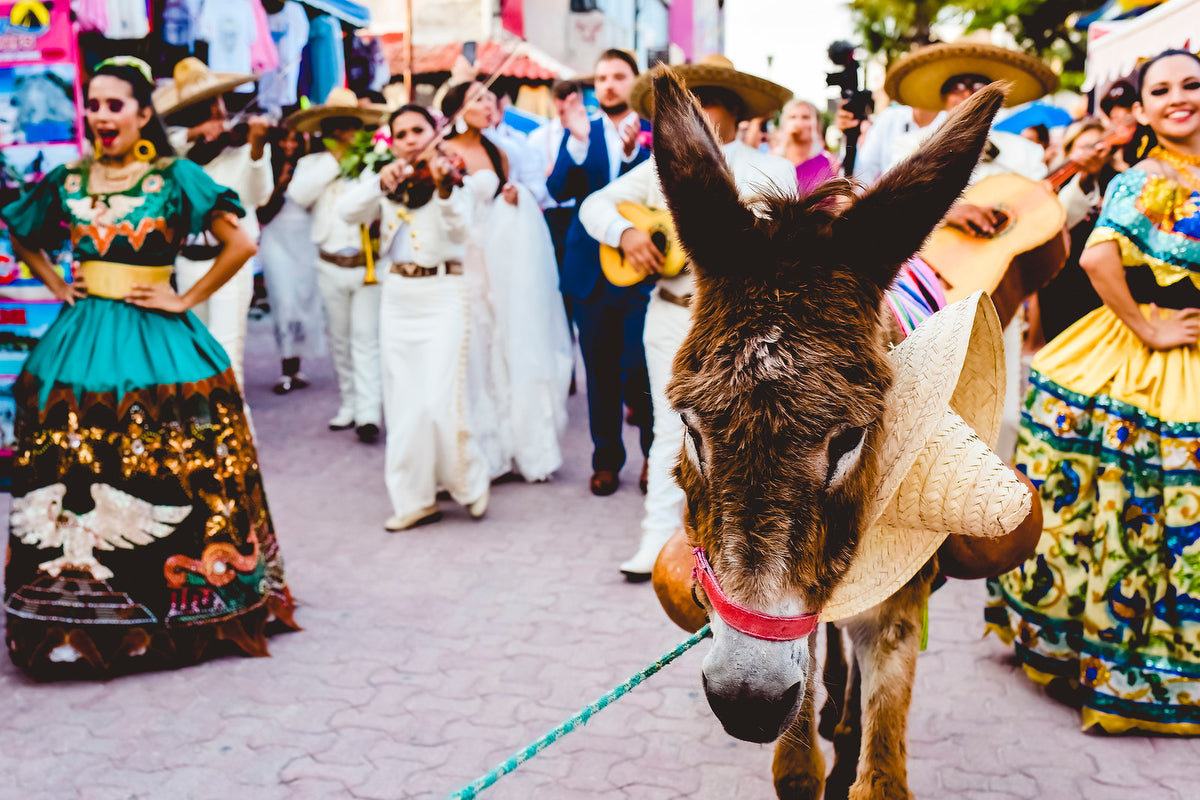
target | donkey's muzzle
[{"x": 751, "y": 717}]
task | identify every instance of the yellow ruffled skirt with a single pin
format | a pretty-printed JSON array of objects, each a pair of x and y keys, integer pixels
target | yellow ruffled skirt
[{"x": 1108, "y": 610}]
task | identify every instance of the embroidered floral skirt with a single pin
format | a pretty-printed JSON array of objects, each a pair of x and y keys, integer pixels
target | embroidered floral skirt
[
  {"x": 1108, "y": 611},
  {"x": 139, "y": 533}
]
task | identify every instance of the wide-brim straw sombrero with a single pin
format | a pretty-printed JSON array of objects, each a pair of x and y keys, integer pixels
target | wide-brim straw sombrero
[
  {"x": 916, "y": 79},
  {"x": 938, "y": 474},
  {"x": 762, "y": 97},
  {"x": 193, "y": 82},
  {"x": 341, "y": 102}
]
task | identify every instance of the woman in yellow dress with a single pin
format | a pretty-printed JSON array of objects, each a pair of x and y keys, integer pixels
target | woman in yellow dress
[{"x": 1107, "y": 612}]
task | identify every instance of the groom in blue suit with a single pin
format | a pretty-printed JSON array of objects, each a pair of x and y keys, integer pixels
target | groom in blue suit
[{"x": 609, "y": 318}]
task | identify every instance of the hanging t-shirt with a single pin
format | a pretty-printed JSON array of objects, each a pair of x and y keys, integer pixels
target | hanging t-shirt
[
  {"x": 289, "y": 29},
  {"x": 127, "y": 19},
  {"x": 228, "y": 27},
  {"x": 179, "y": 24},
  {"x": 327, "y": 57}
]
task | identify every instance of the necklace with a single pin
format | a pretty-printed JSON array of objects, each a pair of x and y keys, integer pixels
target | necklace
[
  {"x": 1181, "y": 162},
  {"x": 106, "y": 179},
  {"x": 1173, "y": 155}
]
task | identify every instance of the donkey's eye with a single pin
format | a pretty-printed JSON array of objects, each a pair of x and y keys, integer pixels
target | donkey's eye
[
  {"x": 844, "y": 449},
  {"x": 693, "y": 445}
]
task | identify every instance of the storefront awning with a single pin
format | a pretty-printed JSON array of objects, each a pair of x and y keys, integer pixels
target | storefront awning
[
  {"x": 346, "y": 11},
  {"x": 1115, "y": 47}
]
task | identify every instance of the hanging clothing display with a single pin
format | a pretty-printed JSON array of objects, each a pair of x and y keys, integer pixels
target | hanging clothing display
[
  {"x": 179, "y": 24},
  {"x": 289, "y": 31},
  {"x": 91, "y": 15},
  {"x": 326, "y": 55},
  {"x": 263, "y": 55},
  {"x": 126, "y": 19},
  {"x": 229, "y": 28}
]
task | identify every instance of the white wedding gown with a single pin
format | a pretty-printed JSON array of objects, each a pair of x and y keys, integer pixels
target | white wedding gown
[{"x": 520, "y": 355}]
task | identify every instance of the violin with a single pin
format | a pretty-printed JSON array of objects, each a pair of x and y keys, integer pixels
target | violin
[
  {"x": 418, "y": 186},
  {"x": 205, "y": 150}
]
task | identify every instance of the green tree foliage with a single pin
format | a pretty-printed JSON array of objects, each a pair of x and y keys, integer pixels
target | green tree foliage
[{"x": 1042, "y": 27}]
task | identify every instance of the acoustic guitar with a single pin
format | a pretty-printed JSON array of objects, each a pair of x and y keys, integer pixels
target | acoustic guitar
[
  {"x": 658, "y": 224},
  {"x": 1028, "y": 248}
]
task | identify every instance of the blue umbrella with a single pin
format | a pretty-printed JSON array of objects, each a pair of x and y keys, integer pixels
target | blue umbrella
[{"x": 1034, "y": 114}]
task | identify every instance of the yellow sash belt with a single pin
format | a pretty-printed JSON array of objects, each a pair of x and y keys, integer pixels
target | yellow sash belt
[{"x": 114, "y": 280}]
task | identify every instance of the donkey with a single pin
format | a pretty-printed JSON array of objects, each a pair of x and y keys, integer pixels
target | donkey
[{"x": 781, "y": 385}]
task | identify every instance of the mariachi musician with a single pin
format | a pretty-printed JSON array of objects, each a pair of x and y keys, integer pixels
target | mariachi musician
[
  {"x": 941, "y": 77},
  {"x": 351, "y": 299},
  {"x": 234, "y": 156}
]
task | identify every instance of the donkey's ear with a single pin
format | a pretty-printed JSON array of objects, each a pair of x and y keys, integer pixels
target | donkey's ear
[
  {"x": 891, "y": 221},
  {"x": 713, "y": 225}
]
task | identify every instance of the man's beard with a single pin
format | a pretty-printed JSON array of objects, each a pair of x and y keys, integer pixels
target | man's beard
[{"x": 612, "y": 111}]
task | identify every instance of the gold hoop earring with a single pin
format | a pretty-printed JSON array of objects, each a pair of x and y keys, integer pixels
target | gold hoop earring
[{"x": 144, "y": 150}]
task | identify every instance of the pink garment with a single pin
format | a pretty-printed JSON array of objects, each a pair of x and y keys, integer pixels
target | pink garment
[
  {"x": 92, "y": 15},
  {"x": 812, "y": 173},
  {"x": 264, "y": 56}
]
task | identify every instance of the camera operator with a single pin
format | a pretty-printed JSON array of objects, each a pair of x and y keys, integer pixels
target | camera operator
[{"x": 855, "y": 103}]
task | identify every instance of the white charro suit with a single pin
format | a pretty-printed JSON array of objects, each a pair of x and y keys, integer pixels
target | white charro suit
[
  {"x": 225, "y": 311},
  {"x": 424, "y": 328},
  {"x": 668, "y": 320},
  {"x": 352, "y": 308}
]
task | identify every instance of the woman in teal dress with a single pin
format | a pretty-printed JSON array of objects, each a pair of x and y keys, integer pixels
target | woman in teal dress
[
  {"x": 139, "y": 533},
  {"x": 1107, "y": 612}
]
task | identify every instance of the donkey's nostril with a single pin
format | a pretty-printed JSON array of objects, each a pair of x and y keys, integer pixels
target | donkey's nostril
[{"x": 749, "y": 716}]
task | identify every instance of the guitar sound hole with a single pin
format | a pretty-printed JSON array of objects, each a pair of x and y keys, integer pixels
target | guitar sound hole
[
  {"x": 1002, "y": 219},
  {"x": 660, "y": 241}
]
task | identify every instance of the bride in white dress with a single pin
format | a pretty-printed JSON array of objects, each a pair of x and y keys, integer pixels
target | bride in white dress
[{"x": 520, "y": 362}]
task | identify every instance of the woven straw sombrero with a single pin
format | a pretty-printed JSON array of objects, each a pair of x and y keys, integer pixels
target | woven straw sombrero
[
  {"x": 762, "y": 97},
  {"x": 341, "y": 102},
  {"x": 194, "y": 82},
  {"x": 916, "y": 79},
  {"x": 938, "y": 474}
]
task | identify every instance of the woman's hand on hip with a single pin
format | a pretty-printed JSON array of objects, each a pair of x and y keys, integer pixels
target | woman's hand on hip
[
  {"x": 76, "y": 290},
  {"x": 1172, "y": 327},
  {"x": 159, "y": 296}
]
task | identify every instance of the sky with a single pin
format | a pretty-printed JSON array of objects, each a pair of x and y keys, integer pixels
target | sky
[{"x": 785, "y": 41}]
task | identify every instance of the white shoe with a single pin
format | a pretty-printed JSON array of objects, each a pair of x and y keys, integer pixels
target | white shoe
[
  {"x": 421, "y": 517},
  {"x": 641, "y": 566},
  {"x": 344, "y": 420},
  {"x": 478, "y": 507}
]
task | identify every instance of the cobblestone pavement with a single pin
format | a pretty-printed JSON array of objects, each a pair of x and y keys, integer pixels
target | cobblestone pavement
[{"x": 429, "y": 656}]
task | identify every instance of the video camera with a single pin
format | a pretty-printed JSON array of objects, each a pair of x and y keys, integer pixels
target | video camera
[
  {"x": 858, "y": 101},
  {"x": 855, "y": 100}
]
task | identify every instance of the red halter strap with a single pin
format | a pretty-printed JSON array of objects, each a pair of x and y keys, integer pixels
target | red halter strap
[{"x": 749, "y": 622}]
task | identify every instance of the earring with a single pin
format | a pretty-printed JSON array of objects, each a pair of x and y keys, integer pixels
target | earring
[
  {"x": 144, "y": 150},
  {"x": 460, "y": 125},
  {"x": 98, "y": 151}
]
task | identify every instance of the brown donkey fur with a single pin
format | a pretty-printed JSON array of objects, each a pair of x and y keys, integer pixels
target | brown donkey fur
[{"x": 781, "y": 384}]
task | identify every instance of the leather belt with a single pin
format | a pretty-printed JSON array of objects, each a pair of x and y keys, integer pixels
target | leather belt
[
  {"x": 200, "y": 252},
  {"x": 349, "y": 262},
  {"x": 685, "y": 301},
  {"x": 410, "y": 270}
]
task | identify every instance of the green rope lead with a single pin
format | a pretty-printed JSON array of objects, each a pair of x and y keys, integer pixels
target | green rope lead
[{"x": 577, "y": 721}]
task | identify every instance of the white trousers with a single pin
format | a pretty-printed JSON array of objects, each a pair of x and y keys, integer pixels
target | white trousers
[
  {"x": 667, "y": 325},
  {"x": 225, "y": 312},
  {"x": 352, "y": 311},
  {"x": 424, "y": 327}
]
